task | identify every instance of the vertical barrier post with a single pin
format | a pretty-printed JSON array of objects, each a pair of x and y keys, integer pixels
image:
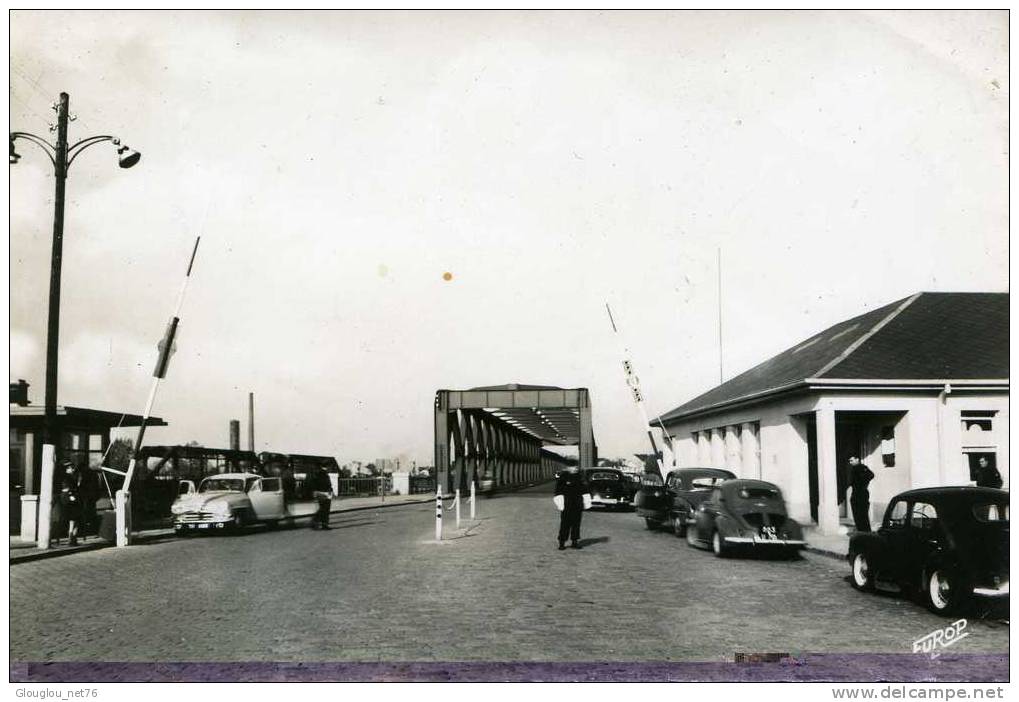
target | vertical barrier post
[
  {"x": 123, "y": 511},
  {"x": 472, "y": 499},
  {"x": 457, "y": 502},
  {"x": 44, "y": 519},
  {"x": 438, "y": 513}
]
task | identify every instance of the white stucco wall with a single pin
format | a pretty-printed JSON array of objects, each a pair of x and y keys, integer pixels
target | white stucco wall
[{"x": 927, "y": 433}]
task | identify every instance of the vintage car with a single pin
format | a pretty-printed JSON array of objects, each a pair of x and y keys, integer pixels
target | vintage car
[
  {"x": 234, "y": 500},
  {"x": 608, "y": 488},
  {"x": 631, "y": 481},
  {"x": 675, "y": 502},
  {"x": 745, "y": 514},
  {"x": 945, "y": 544}
]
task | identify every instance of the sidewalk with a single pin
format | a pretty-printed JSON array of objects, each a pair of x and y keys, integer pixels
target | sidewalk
[
  {"x": 836, "y": 546},
  {"x": 25, "y": 551}
]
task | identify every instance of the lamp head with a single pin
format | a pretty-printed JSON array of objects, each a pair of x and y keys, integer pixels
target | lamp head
[{"x": 128, "y": 156}]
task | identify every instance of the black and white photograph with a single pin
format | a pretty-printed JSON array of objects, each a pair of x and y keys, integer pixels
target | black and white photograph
[{"x": 509, "y": 346}]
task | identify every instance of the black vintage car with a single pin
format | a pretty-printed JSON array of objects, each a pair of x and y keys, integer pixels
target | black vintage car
[
  {"x": 674, "y": 503},
  {"x": 945, "y": 544},
  {"x": 608, "y": 488},
  {"x": 745, "y": 514}
]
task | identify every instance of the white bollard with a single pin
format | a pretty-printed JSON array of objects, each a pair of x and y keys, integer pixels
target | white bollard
[
  {"x": 49, "y": 459},
  {"x": 457, "y": 502},
  {"x": 438, "y": 514},
  {"x": 123, "y": 506},
  {"x": 472, "y": 499}
]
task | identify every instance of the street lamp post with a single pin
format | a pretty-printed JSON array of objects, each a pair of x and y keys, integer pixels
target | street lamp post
[{"x": 62, "y": 156}]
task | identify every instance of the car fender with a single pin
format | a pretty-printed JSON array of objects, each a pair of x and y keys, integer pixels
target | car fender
[
  {"x": 682, "y": 510},
  {"x": 727, "y": 525},
  {"x": 792, "y": 529},
  {"x": 942, "y": 559},
  {"x": 872, "y": 546},
  {"x": 700, "y": 522}
]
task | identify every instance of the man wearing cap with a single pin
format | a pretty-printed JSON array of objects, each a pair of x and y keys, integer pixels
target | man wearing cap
[{"x": 572, "y": 488}]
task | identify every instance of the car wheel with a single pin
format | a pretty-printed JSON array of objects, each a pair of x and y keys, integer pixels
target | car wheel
[
  {"x": 943, "y": 590},
  {"x": 239, "y": 521},
  {"x": 652, "y": 524},
  {"x": 862, "y": 576},
  {"x": 718, "y": 545},
  {"x": 679, "y": 527}
]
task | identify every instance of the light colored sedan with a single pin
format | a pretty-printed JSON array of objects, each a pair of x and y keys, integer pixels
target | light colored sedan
[{"x": 228, "y": 500}]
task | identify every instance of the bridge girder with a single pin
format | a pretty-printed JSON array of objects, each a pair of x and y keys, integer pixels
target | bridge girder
[{"x": 497, "y": 433}]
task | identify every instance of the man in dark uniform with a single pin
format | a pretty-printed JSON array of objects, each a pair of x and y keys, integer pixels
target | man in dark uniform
[
  {"x": 322, "y": 488},
  {"x": 572, "y": 487},
  {"x": 859, "y": 479},
  {"x": 987, "y": 475}
]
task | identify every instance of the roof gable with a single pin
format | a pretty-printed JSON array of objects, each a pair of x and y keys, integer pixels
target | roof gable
[{"x": 948, "y": 336}]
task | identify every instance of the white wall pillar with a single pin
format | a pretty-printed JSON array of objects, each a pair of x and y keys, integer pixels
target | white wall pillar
[
  {"x": 717, "y": 448},
  {"x": 732, "y": 451},
  {"x": 827, "y": 508},
  {"x": 749, "y": 446},
  {"x": 704, "y": 447}
]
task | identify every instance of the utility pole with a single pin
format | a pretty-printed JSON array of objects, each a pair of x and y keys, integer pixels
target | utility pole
[
  {"x": 61, "y": 155},
  {"x": 721, "y": 374},
  {"x": 50, "y": 432}
]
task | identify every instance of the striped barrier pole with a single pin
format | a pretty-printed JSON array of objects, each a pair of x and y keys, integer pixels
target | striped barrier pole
[
  {"x": 458, "y": 508},
  {"x": 438, "y": 514},
  {"x": 472, "y": 499}
]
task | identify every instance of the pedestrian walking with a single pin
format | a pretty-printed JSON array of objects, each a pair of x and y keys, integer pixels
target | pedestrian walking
[
  {"x": 70, "y": 501},
  {"x": 987, "y": 475},
  {"x": 571, "y": 496},
  {"x": 322, "y": 489},
  {"x": 859, "y": 479}
]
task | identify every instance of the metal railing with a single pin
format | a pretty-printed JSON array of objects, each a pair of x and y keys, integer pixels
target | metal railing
[
  {"x": 422, "y": 485},
  {"x": 351, "y": 487}
]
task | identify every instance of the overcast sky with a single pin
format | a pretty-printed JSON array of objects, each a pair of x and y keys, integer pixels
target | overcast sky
[{"x": 548, "y": 162}]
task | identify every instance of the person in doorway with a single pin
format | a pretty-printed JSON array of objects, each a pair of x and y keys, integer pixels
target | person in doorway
[
  {"x": 571, "y": 486},
  {"x": 987, "y": 475},
  {"x": 70, "y": 501},
  {"x": 859, "y": 479},
  {"x": 322, "y": 489}
]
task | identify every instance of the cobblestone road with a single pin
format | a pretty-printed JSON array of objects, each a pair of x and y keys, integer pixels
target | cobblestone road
[{"x": 377, "y": 588}]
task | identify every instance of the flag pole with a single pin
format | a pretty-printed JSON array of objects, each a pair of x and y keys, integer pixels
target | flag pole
[{"x": 166, "y": 349}]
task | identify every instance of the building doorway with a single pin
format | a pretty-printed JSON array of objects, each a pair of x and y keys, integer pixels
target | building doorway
[{"x": 850, "y": 440}]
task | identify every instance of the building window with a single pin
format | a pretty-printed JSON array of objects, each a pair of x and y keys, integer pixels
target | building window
[
  {"x": 976, "y": 421},
  {"x": 888, "y": 446}
]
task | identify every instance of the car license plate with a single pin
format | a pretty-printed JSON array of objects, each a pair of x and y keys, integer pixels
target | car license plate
[
  {"x": 768, "y": 533},
  {"x": 203, "y": 526}
]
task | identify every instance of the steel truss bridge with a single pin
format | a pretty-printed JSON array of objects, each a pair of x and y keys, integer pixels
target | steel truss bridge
[{"x": 498, "y": 433}]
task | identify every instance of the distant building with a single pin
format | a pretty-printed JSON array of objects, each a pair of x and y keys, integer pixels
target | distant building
[
  {"x": 917, "y": 388},
  {"x": 387, "y": 465}
]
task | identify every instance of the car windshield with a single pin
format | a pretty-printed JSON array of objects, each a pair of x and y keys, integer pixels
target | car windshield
[
  {"x": 603, "y": 475},
  {"x": 990, "y": 512},
  {"x": 705, "y": 483},
  {"x": 757, "y": 493},
  {"x": 217, "y": 484}
]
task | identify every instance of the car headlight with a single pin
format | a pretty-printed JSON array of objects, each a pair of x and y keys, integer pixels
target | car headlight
[{"x": 177, "y": 508}]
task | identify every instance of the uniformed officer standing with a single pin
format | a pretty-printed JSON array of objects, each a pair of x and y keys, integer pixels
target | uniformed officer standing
[
  {"x": 572, "y": 487},
  {"x": 859, "y": 479}
]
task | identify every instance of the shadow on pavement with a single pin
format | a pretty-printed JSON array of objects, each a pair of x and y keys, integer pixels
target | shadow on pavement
[{"x": 591, "y": 542}]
